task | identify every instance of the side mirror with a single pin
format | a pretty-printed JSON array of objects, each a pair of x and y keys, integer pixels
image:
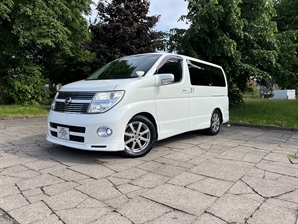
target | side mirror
[{"x": 163, "y": 79}]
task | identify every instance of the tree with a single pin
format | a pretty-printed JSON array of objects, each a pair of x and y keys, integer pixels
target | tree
[
  {"x": 238, "y": 35},
  {"x": 123, "y": 29},
  {"x": 35, "y": 35},
  {"x": 286, "y": 76}
]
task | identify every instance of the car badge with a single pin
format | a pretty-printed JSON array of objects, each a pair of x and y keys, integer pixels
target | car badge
[{"x": 68, "y": 101}]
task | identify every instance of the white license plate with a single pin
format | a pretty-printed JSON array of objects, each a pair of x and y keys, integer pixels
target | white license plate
[{"x": 63, "y": 132}]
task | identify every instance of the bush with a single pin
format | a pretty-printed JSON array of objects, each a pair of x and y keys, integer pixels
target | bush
[
  {"x": 251, "y": 91},
  {"x": 25, "y": 87}
]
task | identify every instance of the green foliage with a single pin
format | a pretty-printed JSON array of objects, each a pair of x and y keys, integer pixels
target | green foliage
[
  {"x": 286, "y": 75},
  {"x": 25, "y": 87},
  {"x": 123, "y": 29},
  {"x": 251, "y": 91},
  {"x": 39, "y": 39},
  {"x": 238, "y": 35}
]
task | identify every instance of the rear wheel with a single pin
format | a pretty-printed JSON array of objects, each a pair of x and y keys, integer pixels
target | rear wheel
[
  {"x": 214, "y": 123},
  {"x": 139, "y": 137}
]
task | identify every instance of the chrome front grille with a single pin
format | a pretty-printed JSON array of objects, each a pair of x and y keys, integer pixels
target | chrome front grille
[
  {"x": 73, "y": 102},
  {"x": 72, "y": 107},
  {"x": 76, "y": 95}
]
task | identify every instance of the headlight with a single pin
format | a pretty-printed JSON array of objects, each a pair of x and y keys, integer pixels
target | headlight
[
  {"x": 53, "y": 104},
  {"x": 104, "y": 101}
]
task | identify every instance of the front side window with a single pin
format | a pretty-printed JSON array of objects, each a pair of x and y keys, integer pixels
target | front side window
[
  {"x": 125, "y": 67},
  {"x": 172, "y": 66}
]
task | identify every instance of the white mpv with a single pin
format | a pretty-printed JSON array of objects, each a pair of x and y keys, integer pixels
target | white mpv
[{"x": 136, "y": 100}]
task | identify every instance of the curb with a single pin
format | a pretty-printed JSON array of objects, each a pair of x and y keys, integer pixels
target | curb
[{"x": 263, "y": 126}]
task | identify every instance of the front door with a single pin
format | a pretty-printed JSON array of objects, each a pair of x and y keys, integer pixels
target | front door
[{"x": 172, "y": 100}]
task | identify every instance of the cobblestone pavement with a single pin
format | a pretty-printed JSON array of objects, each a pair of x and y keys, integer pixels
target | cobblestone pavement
[{"x": 242, "y": 175}]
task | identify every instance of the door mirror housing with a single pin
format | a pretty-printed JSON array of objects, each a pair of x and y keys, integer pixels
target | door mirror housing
[{"x": 163, "y": 79}]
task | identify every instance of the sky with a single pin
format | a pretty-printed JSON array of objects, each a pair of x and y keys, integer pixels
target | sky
[{"x": 169, "y": 10}]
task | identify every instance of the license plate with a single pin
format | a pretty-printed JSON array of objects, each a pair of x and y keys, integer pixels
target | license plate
[{"x": 63, "y": 132}]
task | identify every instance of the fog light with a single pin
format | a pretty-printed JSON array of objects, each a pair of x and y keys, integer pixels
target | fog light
[{"x": 104, "y": 132}]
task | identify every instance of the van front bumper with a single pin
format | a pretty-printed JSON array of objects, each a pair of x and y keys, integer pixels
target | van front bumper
[{"x": 82, "y": 130}]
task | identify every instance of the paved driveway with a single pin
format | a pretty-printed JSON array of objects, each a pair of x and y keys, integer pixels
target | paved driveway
[{"x": 242, "y": 175}]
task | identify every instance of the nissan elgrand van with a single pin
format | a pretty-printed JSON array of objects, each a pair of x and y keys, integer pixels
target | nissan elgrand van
[{"x": 136, "y": 100}]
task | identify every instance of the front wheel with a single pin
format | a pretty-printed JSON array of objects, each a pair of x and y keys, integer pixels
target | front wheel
[
  {"x": 139, "y": 137},
  {"x": 214, "y": 123}
]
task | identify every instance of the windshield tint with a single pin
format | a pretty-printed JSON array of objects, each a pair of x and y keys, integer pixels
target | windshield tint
[{"x": 125, "y": 67}]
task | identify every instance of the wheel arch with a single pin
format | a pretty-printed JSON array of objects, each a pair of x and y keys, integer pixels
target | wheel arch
[
  {"x": 151, "y": 118},
  {"x": 220, "y": 113}
]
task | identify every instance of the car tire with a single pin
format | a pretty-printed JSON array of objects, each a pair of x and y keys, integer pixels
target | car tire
[
  {"x": 215, "y": 123},
  {"x": 139, "y": 137}
]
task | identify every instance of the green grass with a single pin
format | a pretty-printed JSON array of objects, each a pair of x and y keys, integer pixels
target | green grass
[
  {"x": 279, "y": 113},
  {"x": 18, "y": 111}
]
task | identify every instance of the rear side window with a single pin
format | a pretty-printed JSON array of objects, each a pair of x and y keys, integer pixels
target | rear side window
[{"x": 205, "y": 75}]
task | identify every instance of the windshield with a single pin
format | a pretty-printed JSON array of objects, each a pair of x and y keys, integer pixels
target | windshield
[{"x": 125, "y": 67}]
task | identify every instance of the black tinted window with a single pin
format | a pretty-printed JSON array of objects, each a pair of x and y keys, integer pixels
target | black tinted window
[
  {"x": 172, "y": 66},
  {"x": 125, "y": 67},
  {"x": 205, "y": 75}
]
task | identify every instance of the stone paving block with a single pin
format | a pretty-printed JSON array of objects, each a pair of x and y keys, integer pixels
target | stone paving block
[
  {"x": 95, "y": 171},
  {"x": 13, "y": 169},
  {"x": 183, "y": 199},
  {"x": 268, "y": 214},
  {"x": 130, "y": 174},
  {"x": 25, "y": 174},
  {"x": 10, "y": 160},
  {"x": 101, "y": 190},
  {"x": 42, "y": 164},
  {"x": 117, "y": 202},
  {"x": 220, "y": 170},
  {"x": 127, "y": 188},
  {"x": 150, "y": 166},
  {"x": 291, "y": 196},
  {"x": 166, "y": 161},
  {"x": 39, "y": 181},
  {"x": 66, "y": 200},
  {"x": 12, "y": 202},
  {"x": 208, "y": 219},
  {"x": 33, "y": 192},
  {"x": 288, "y": 169},
  {"x": 185, "y": 179},
  {"x": 150, "y": 180},
  {"x": 8, "y": 189},
  {"x": 233, "y": 208},
  {"x": 31, "y": 213},
  {"x": 193, "y": 151},
  {"x": 174, "y": 217},
  {"x": 179, "y": 156},
  {"x": 277, "y": 157},
  {"x": 68, "y": 175},
  {"x": 59, "y": 188},
  {"x": 9, "y": 180},
  {"x": 278, "y": 202},
  {"x": 211, "y": 186},
  {"x": 267, "y": 188},
  {"x": 118, "y": 180},
  {"x": 159, "y": 151},
  {"x": 146, "y": 210},
  {"x": 119, "y": 165},
  {"x": 112, "y": 218},
  {"x": 82, "y": 215},
  {"x": 51, "y": 219},
  {"x": 179, "y": 145},
  {"x": 169, "y": 170},
  {"x": 91, "y": 203}
]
